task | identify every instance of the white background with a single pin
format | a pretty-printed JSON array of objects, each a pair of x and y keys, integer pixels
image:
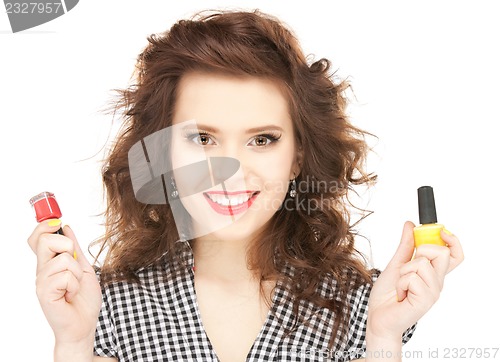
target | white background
[{"x": 426, "y": 78}]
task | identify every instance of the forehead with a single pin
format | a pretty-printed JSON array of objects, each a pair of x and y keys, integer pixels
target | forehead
[{"x": 229, "y": 100}]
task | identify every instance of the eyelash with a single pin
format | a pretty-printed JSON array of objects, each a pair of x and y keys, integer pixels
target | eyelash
[{"x": 272, "y": 137}]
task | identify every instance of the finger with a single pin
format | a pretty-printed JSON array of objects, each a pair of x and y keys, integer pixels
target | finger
[
  {"x": 439, "y": 256},
  {"x": 48, "y": 226},
  {"x": 79, "y": 255},
  {"x": 49, "y": 245},
  {"x": 406, "y": 247},
  {"x": 403, "y": 285},
  {"x": 456, "y": 251},
  {"x": 424, "y": 269},
  {"x": 58, "y": 286},
  {"x": 412, "y": 289},
  {"x": 60, "y": 263}
]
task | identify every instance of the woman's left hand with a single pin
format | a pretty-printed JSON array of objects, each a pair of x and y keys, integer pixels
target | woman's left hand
[{"x": 408, "y": 287}]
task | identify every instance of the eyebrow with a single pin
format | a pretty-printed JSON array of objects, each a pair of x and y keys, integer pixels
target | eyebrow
[{"x": 265, "y": 128}]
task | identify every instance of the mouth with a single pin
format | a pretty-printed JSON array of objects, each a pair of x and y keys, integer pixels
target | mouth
[{"x": 230, "y": 203}]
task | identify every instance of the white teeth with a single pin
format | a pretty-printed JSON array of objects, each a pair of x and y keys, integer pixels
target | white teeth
[{"x": 226, "y": 200}]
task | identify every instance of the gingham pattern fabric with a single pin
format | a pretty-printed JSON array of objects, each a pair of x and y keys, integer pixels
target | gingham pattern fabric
[{"x": 159, "y": 320}]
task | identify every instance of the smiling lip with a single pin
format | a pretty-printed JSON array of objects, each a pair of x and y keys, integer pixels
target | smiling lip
[{"x": 230, "y": 203}]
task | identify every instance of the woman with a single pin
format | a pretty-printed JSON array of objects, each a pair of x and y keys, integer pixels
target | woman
[{"x": 228, "y": 235}]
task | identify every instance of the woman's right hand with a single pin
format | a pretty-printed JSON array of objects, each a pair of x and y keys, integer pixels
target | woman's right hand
[{"x": 68, "y": 289}]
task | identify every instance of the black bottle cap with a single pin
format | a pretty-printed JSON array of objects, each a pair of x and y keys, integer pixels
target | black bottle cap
[{"x": 426, "y": 205}]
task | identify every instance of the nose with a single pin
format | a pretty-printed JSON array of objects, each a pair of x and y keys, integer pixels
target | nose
[
  {"x": 228, "y": 164},
  {"x": 228, "y": 147},
  {"x": 222, "y": 168}
]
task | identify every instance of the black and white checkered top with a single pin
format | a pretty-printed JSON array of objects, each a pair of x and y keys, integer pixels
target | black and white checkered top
[{"x": 158, "y": 320}]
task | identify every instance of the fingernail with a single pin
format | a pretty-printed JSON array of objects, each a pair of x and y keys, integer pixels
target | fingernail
[
  {"x": 54, "y": 222},
  {"x": 74, "y": 255},
  {"x": 447, "y": 231}
]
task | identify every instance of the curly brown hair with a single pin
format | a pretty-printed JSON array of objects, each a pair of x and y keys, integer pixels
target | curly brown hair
[{"x": 317, "y": 242}]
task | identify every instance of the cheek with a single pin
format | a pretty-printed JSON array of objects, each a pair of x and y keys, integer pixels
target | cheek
[
  {"x": 273, "y": 171},
  {"x": 190, "y": 169},
  {"x": 183, "y": 155},
  {"x": 276, "y": 165},
  {"x": 184, "y": 152}
]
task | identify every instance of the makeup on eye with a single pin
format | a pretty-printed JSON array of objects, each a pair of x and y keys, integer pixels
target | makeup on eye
[
  {"x": 204, "y": 138},
  {"x": 272, "y": 138},
  {"x": 201, "y": 138}
]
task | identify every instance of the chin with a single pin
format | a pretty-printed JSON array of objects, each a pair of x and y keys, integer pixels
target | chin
[{"x": 241, "y": 230}]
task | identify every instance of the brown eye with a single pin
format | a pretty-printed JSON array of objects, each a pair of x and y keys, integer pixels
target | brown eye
[
  {"x": 202, "y": 139},
  {"x": 264, "y": 140},
  {"x": 261, "y": 141}
]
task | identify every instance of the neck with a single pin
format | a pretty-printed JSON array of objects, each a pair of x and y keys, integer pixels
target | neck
[{"x": 221, "y": 259}]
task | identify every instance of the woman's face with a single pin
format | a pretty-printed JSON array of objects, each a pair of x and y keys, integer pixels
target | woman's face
[{"x": 246, "y": 119}]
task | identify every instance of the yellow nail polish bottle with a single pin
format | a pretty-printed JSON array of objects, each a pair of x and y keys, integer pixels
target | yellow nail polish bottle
[{"x": 430, "y": 231}]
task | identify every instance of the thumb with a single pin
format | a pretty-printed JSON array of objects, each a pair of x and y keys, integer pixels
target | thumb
[
  {"x": 406, "y": 247},
  {"x": 79, "y": 256}
]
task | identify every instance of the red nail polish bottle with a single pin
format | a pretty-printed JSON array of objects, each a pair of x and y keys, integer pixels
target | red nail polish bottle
[{"x": 45, "y": 206}]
